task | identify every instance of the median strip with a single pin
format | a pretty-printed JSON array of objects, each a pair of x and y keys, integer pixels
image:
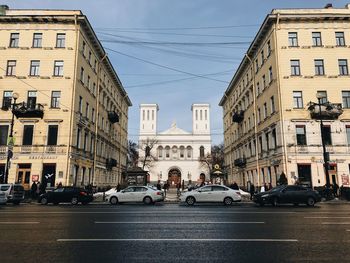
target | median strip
[{"x": 176, "y": 240}]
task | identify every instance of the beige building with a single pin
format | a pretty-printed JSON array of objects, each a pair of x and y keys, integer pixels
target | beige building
[
  {"x": 268, "y": 125},
  {"x": 72, "y": 110}
]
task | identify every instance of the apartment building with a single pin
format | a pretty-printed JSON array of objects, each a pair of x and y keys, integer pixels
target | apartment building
[
  {"x": 71, "y": 112},
  {"x": 270, "y": 126}
]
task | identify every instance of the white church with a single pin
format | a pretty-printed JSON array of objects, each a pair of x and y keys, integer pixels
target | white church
[{"x": 176, "y": 152}]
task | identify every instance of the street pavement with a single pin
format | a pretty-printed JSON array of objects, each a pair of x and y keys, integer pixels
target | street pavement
[{"x": 174, "y": 233}]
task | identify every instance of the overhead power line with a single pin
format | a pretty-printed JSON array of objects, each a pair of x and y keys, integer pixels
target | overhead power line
[{"x": 178, "y": 43}]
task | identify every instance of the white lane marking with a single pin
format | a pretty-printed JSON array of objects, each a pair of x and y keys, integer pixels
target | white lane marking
[
  {"x": 327, "y": 217},
  {"x": 176, "y": 240},
  {"x": 335, "y": 223},
  {"x": 216, "y": 223},
  {"x": 141, "y": 212},
  {"x": 18, "y": 223}
]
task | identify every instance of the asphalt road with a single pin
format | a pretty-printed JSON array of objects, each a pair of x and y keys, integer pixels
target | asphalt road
[{"x": 173, "y": 233}]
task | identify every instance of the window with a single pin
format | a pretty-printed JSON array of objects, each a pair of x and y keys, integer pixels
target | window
[
  {"x": 201, "y": 152},
  {"x": 346, "y": 99},
  {"x": 347, "y": 134},
  {"x": 293, "y": 39},
  {"x": 267, "y": 139},
  {"x": 264, "y": 81},
  {"x": 260, "y": 144},
  {"x": 316, "y": 39},
  {"x": 78, "y": 138},
  {"x": 274, "y": 138},
  {"x": 28, "y": 135},
  {"x": 295, "y": 67},
  {"x": 34, "y": 68},
  {"x": 61, "y": 40},
  {"x": 58, "y": 68},
  {"x": 87, "y": 107},
  {"x": 92, "y": 144},
  {"x": 89, "y": 57},
  {"x": 268, "y": 48},
  {"x": 94, "y": 88},
  {"x": 4, "y": 130},
  {"x": 259, "y": 115},
  {"x": 182, "y": 152},
  {"x": 31, "y": 100},
  {"x": 218, "y": 188},
  {"x": 339, "y": 38},
  {"x": 86, "y": 136},
  {"x": 37, "y": 40},
  {"x": 82, "y": 74},
  {"x": 84, "y": 48},
  {"x": 14, "y": 39},
  {"x": 270, "y": 75},
  {"x": 52, "y": 135},
  {"x": 11, "y": 68},
  {"x": 88, "y": 82},
  {"x": 265, "y": 110},
  {"x": 323, "y": 95},
  {"x": 80, "y": 104},
  {"x": 301, "y": 135},
  {"x": 257, "y": 89},
  {"x": 7, "y": 99},
  {"x": 160, "y": 152},
  {"x": 343, "y": 66},
  {"x": 327, "y": 136},
  {"x": 272, "y": 101},
  {"x": 256, "y": 65},
  {"x": 55, "y": 99},
  {"x": 319, "y": 67},
  {"x": 167, "y": 152},
  {"x": 200, "y": 115},
  {"x": 262, "y": 57},
  {"x": 298, "y": 99},
  {"x": 189, "y": 152}
]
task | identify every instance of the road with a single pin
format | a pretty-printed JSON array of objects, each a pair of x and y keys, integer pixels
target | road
[{"x": 173, "y": 233}]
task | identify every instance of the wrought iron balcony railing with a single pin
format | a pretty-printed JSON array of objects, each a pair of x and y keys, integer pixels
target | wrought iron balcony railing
[
  {"x": 238, "y": 116},
  {"x": 113, "y": 117},
  {"x": 240, "y": 162},
  {"x": 25, "y": 110},
  {"x": 328, "y": 111}
]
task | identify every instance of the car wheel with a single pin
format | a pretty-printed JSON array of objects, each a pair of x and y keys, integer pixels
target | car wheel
[
  {"x": 43, "y": 201},
  {"x": 147, "y": 200},
  {"x": 261, "y": 204},
  {"x": 275, "y": 201},
  {"x": 228, "y": 201},
  {"x": 55, "y": 203},
  {"x": 190, "y": 200},
  {"x": 310, "y": 201},
  {"x": 74, "y": 201},
  {"x": 113, "y": 200}
]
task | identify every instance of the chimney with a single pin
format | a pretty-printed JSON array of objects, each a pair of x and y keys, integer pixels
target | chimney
[
  {"x": 328, "y": 6},
  {"x": 3, "y": 9}
]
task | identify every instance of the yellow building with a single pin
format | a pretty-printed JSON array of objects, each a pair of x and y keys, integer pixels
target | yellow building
[
  {"x": 71, "y": 114},
  {"x": 269, "y": 126}
]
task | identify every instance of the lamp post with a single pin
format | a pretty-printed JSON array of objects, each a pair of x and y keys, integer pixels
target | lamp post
[
  {"x": 319, "y": 97},
  {"x": 10, "y": 139}
]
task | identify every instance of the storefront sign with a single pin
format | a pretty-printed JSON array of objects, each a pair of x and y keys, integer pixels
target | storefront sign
[
  {"x": 345, "y": 179},
  {"x": 42, "y": 157}
]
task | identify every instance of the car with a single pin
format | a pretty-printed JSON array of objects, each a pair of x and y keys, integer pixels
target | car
[
  {"x": 288, "y": 194},
  {"x": 14, "y": 193},
  {"x": 3, "y": 199},
  {"x": 211, "y": 193},
  {"x": 65, "y": 194},
  {"x": 133, "y": 194}
]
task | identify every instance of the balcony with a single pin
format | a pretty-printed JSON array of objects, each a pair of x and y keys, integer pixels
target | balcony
[
  {"x": 25, "y": 110},
  {"x": 110, "y": 163},
  {"x": 329, "y": 111},
  {"x": 113, "y": 117},
  {"x": 240, "y": 162},
  {"x": 238, "y": 116}
]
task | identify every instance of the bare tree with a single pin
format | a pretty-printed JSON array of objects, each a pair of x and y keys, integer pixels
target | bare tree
[
  {"x": 147, "y": 157},
  {"x": 133, "y": 154},
  {"x": 216, "y": 156}
]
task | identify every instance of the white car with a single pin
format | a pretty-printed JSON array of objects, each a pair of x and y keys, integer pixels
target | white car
[
  {"x": 133, "y": 194},
  {"x": 212, "y": 193}
]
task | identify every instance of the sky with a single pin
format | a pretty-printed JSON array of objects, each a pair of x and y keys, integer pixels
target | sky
[{"x": 175, "y": 52}]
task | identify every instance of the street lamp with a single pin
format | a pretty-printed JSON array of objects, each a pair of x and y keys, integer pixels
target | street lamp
[{"x": 10, "y": 139}]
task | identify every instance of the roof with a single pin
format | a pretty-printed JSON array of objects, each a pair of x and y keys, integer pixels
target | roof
[{"x": 174, "y": 130}]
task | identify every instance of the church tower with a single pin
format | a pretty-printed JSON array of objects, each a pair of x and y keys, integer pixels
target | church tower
[
  {"x": 148, "y": 119},
  {"x": 200, "y": 118}
]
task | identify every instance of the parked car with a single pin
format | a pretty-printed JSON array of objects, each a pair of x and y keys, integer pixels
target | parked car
[
  {"x": 3, "y": 199},
  {"x": 132, "y": 194},
  {"x": 14, "y": 193},
  {"x": 288, "y": 194},
  {"x": 65, "y": 194},
  {"x": 211, "y": 193}
]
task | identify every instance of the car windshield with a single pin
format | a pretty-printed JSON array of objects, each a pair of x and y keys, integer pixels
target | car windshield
[{"x": 4, "y": 187}]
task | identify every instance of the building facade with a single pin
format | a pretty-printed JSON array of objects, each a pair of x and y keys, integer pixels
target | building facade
[
  {"x": 174, "y": 154},
  {"x": 71, "y": 115},
  {"x": 269, "y": 122}
]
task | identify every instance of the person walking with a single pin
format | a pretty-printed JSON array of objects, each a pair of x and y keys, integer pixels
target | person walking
[
  {"x": 159, "y": 187},
  {"x": 33, "y": 190},
  {"x": 178, "y": 187},
  {"x": 118, "y": 187},
  {"x": 165, "y": 188},
  {"x": 335, "y": 190},
  {"x": 234, "y": 186},
  {"x": 252, "y": 191}
]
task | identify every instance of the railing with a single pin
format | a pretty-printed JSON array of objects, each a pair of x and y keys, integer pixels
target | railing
[
  {"x": 28, "y": 110},
  {"x": 329, "y": 111},
  {"x": 29, "y": 149},
  {"x": 113, "y": 117},
  {"x": 238, "y": 116},
  {"x": 240, "y": 162}
]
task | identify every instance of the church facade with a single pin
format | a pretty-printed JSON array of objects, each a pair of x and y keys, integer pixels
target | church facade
[{"x": 173, "y": 155}]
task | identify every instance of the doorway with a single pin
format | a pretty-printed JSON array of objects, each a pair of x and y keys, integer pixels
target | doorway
[
  {"x": 304, "y": 174},
  {"x": 49, "y": 175},
  {"x": 23, "y": 175},
  {"x": 174, "y": 177}
]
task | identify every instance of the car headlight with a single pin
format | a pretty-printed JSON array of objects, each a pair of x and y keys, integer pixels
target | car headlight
[{"x": 266, "y": 195}]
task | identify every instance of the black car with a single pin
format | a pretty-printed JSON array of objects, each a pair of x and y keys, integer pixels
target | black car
[
  {"x": 288, "y": 194},
  {"x": 65, "y": 194}
]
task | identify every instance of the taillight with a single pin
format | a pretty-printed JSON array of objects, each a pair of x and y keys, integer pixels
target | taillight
[
  {"x": 239, "y": 193},
  {"x": 159, "y": 193},
  {"x": 83, "y": 193}
]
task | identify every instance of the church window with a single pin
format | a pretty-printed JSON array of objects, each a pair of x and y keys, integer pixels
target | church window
[
  {"x": 160, "y": 152},
  {"x": 201, "y": 152},
  {"x": 182, "y": 152},
  {"x": 143, "y": 115},
  {"x": 148, "y": 115},
  {"x": 152, "y": 115},
  {"x": 196, "y": 115},
  {"x": 167, "y": 152},
  {"x": 200, "y": 114},
  {"x": 206, "y": 116},
  {"x": 189, "y": 151}
]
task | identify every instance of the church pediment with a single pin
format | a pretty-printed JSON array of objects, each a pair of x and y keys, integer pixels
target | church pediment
[{"x": 174, "y": 130}]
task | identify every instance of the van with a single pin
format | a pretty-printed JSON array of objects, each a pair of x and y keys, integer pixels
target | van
[{"x": 14, "y": 193}]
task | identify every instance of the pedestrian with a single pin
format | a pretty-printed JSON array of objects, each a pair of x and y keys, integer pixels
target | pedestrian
[
  {"x": 341, "y": 191},
  {"x": 178, "y": 187},
  {"x": 159, "y": 187},
  {"x": 262, "y": 188},
  {"x": 335, "y": 189},
  {"x": 118, "y": 187},
  {"x": 33, "y": 190},
  {"x": 59, "y": 185},
  {"x": 38, "y": 186},
  {"x": 252, "y": 191},
  {"x": 234, "y": 186},
  {"x": 165, "y": 188},
  {"x": 42, "y": 188},
  {"x": 183, "y": 185}
]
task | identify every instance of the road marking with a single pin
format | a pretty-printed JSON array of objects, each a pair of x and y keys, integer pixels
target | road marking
[
  {"x": 176, "y": 240},
  {"x": 143, "y": 212},
  {"x": 216, "y": 223},
  {"x": 335, "y": 223},
  {"x": 18, "y": 223},
  {"x": 327, "y": 217}
]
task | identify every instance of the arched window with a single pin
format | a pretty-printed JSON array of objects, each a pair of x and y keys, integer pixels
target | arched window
[
  {"x": 174, "y": 153},
  {"x": 189, "y": 152},
  {"x": 200, "y": 115},
  {"x": 167, "y": 152},
  {"x": 182, "y": 152},
  {"x": 201, "y": 152},
  {"x": 160, "y": 152}
]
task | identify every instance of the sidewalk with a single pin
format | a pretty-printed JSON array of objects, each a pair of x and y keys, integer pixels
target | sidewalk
[{"x": 171, "y": 196}]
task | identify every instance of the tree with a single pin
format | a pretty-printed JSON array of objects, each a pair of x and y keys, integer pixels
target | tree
[
  {"x": 133, "y": 154},
  {"x": 147, "y": 157},
  {"x": 216, "y": 156}
]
